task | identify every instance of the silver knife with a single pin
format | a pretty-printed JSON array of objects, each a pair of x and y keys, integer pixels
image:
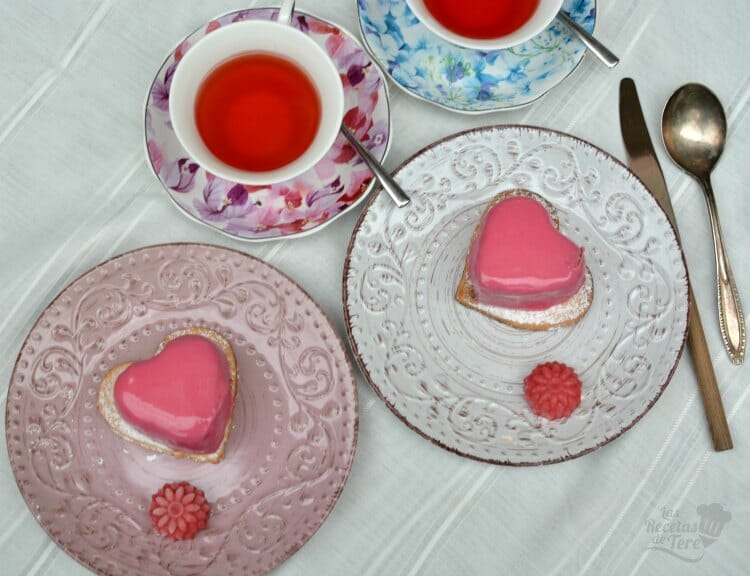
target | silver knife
[{"x": 644, "y": 164}]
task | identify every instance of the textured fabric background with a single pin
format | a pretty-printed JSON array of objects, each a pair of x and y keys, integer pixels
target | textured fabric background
[{"x": 75, "y": 189}]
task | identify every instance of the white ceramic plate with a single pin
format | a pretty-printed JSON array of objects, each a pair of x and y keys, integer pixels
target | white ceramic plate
[{"x": 455, "y": 376}]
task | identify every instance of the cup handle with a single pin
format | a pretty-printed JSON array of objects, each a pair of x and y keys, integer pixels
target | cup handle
[{"x": 285, "y": 12}]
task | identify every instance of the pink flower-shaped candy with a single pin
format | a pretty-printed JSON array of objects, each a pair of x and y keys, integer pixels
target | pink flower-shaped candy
[{"x": 179, "y": 510}]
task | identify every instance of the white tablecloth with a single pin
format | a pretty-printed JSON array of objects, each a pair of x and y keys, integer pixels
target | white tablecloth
[{"x": 76, "y": 189}]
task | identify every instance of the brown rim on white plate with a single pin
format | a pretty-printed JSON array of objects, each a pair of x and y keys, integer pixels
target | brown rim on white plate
[
  {"x": 293, "y": 436},
  {"x": 400, "y": 318}
]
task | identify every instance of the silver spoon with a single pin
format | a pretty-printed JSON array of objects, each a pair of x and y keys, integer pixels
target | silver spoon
[
  {"x": 286, "y": 11},
  {"x": 599, "y": 50},
  {"x": 695, "y": 128},
  {"x": 391, "y": 187}
]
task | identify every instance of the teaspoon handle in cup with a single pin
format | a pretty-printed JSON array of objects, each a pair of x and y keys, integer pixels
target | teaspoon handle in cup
[
  {"x": 285, "y": 12},
  {"x": 599, "y": 49},
  {"x": 393, "y": 190},
  {"x": 731, "y": 318}
]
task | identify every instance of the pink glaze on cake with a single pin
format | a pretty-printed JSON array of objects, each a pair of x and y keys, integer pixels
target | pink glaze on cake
[
  {"x": 181, "y": 397},
  {"x": 519, "y": 260}
]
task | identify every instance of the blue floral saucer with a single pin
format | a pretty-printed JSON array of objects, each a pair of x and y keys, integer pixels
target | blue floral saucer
[{"x": 465, "y": 80}]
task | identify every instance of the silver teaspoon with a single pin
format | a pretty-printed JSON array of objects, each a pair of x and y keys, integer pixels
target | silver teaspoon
[
  {"x": 391, "y": 187},
  {"x": 695, "y": 129},
  {"x": 399, "y": 197}
]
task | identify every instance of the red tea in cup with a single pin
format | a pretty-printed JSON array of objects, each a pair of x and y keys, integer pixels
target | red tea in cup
[
  {"x": 256, "y": 102},
  {"x": 257, "y": 111},
  {"x": 482, "y": 19}
]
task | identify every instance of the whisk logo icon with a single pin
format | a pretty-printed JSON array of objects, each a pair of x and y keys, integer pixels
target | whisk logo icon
[{"x": 687, "y": 537}]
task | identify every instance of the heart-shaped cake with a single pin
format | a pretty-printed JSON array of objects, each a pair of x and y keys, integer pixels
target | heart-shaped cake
[
  {"x": 521, "y": 269},
  {"x": 179, "y": 401}
]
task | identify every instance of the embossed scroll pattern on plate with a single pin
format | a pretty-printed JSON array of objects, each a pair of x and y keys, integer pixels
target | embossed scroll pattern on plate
[
  {"x": 456, "y": 376},
  {"x": 294, "y": 427}
]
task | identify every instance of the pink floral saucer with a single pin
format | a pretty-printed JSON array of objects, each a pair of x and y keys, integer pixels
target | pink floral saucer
[{"x": 296, "y": 207}]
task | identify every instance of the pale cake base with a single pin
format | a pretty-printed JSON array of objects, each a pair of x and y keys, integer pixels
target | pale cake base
[{"x": 564, "y": 314}]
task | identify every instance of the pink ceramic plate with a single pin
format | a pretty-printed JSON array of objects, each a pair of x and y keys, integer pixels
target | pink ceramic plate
[
  {"x": 293, "y": 435},
  {"x": 298, "y": 206}
]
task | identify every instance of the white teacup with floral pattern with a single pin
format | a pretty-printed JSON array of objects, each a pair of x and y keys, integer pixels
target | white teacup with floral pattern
[{"x": 240, "y": 38}]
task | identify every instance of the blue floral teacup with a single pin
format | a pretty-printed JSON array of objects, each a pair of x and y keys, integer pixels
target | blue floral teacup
[{"x": 540, "y": 18}]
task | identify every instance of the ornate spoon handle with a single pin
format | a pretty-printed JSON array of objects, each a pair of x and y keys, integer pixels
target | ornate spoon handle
[{"x": 731, "y": 318}]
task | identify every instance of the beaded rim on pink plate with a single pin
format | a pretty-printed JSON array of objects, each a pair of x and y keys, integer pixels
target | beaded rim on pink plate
[
  {"x": 304, "y": 204},
  {"x": 294, "y": 429}
]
